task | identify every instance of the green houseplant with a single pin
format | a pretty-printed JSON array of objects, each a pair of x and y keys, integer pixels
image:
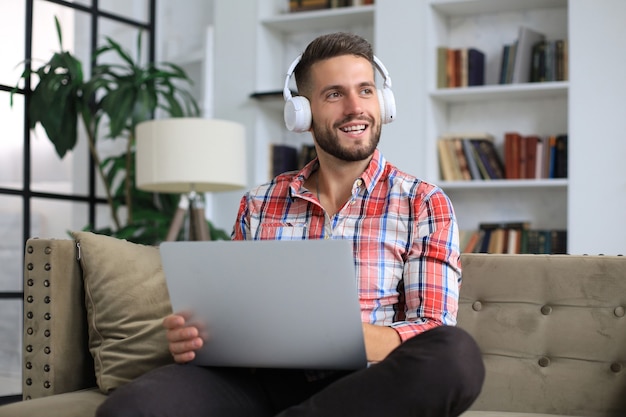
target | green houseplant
[{"x": 109, "y": 104}]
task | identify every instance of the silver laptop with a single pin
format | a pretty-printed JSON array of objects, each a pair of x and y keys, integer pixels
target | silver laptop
[{"x": 273, "y": 304}]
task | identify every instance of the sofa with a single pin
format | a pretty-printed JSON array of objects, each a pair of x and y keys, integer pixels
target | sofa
[{"x": 552, "y": 328}]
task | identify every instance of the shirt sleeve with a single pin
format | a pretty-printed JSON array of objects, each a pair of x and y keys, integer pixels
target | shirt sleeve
[
  {"x": 432, "y": 271},
  {"x": 241, "y": 230}
]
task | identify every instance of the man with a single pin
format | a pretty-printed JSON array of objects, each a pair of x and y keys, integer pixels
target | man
[{"x": 407, "y": 262}]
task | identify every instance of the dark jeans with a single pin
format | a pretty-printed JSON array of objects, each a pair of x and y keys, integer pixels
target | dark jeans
[{"x": 438, "y": 373}]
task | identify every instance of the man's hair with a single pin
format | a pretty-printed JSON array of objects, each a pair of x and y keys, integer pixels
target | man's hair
[{"x": 329, "y": 46}]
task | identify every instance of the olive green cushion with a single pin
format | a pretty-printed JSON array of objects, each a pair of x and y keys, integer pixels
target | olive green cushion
[{"x": 126, "y": 299}]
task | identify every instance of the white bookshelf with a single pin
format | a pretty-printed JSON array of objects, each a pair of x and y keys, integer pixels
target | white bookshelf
[
  {"x": 587, "y": 107},
  {"x": 530, "y": 108}
]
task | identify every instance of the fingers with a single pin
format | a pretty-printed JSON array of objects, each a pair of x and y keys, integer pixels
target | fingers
[{"x": 184, "y": 339}]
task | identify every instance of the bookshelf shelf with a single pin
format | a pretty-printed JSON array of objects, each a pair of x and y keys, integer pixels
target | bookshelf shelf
[
  {"x": 501, "y": 92},
  {"x": 478, "y": 7},
  {"x": 512, "y": 185},
  {"x": 325, "y": 19}
]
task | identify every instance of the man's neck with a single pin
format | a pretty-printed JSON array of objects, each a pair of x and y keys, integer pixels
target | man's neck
[{"x": 334, "y": 180}]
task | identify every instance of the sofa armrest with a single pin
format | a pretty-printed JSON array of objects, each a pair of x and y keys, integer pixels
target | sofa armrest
[{"x": 56, "y": 355}]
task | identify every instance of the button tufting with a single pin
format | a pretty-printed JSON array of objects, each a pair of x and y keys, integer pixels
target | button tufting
[
  {"x": 46, "y": 333},
  {"x": 30, "y": 249},
  {"x": 546, "y": 310},
  {"x": 30, "y": 298},
  {"x": 46, "y": 283},
  {"x": 47, "y": 316},
  {"x": 30, "y": 315},
  {"x": 29, "y": 348},
  {"x": 47, "y": 267},
  {"x": 30, "y": 266},
  {"x": 28, "y": 365},
  {"x": 544, "y": 361},
  {"x": 30, "y": 282},
  {"x": 46, "y": 350},
  {"x": 619, "y": 311},
  {"x": 46, "y": 368},
  {"x": 616, "y": 367},
  {"x": 30, "y": 331},
  {"x": 477, "y": 306},
  {"x": 29, "y": 381},
  {"x": 46, "y": 384},
  {"x": 46, "y": 299},
  {"x": 47, "y": 250}
]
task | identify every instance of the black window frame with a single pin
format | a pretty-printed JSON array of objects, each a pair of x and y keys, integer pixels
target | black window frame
[{"x": 26, "y": 193}]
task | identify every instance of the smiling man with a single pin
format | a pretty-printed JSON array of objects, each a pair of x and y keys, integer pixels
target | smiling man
[{"x": 407, "y": 262}]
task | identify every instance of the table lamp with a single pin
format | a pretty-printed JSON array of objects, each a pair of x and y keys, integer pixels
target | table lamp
[{"x": 190, "y": 156}]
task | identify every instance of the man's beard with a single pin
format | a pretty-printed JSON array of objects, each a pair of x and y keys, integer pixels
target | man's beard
[{"x": 328, "y": 141}]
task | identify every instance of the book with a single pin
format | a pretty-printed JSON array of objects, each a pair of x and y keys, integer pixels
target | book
[
  {"x": 560, "y": 157},
  {"x": 512, "y": 144},
  {"x": 461, "y": 159},
  {"x": 463, "y": 67},
  {"x": 446, "y": 162},
  {"x": 442, "y": 57},
  {"x": 504, "y": 63},
  {"x": 306, "y": 155},
  {"x": 475, "y": 67},
  {"x": 530, "y": 143},
  {"x": 489, "y": 157},
  {"x": 471, "y": 156},
  {"x": 304, "y": 5},
  {"x": 283, "y": 158},
  {"x": 451, "y": 68},
  {"x": 522, "y": 64}
]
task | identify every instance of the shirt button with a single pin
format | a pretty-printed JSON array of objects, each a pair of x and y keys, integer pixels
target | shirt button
[
  {"x": 326, "y": 237},
  {"x": 359, "y": 182}
]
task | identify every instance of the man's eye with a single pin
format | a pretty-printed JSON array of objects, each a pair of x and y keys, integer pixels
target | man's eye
[
  {"x": 334, "y": 94},
  {"x": 368, "y": 91}
]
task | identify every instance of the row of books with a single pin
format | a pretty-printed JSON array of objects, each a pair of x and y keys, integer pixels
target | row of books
[
  {"x": 475, "y": 157},
  {"x": 469, "y": 157},
  {"x": 533, "y": 58},
  {"x": 534, "y": 156},
  {"x": 285, "y": 158},
  {"x": 530, "y": 58},
  {"x": 513, "y": 238},
  {"x": 306, "y": 5},
  {"x": 460, "y": 67}
]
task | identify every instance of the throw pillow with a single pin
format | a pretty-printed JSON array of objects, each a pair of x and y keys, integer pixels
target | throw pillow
[{"x": 126, "y": 299}]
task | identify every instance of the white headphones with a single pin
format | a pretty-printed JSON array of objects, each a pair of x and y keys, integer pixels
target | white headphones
[{"x": 297, "y": 111}]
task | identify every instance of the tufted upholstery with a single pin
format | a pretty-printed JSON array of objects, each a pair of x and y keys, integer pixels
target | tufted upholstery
[
  {"x": 56, "y": 357},
  {"x": 552, "y": 329}
]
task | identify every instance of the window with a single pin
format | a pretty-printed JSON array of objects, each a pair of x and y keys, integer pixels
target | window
[{"x": 41, "y": 194}]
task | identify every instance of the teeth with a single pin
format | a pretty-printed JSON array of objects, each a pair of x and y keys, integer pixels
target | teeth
[{"x": 353, "y": 128}]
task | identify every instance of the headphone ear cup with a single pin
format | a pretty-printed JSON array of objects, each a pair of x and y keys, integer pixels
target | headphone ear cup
[
  {"x": 297, "y": 114},
  {"x": 387, "y": 105}
]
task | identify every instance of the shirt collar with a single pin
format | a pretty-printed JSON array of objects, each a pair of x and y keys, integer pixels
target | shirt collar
[{"x": 372, "y": 174}]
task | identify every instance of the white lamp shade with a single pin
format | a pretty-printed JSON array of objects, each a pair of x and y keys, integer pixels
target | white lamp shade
[{"x": 181, "y": 155}]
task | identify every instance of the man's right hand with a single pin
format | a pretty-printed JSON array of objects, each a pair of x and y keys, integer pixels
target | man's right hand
[{"x": 184, "y": 339}]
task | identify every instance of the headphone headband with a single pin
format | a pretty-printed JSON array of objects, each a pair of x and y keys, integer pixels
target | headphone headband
[{"x": 377, "y": 63}]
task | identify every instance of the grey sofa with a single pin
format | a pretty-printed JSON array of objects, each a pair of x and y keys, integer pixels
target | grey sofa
[{"x": 552, "y": 329}]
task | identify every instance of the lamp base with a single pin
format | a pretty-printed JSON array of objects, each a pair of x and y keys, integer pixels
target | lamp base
[{"x": 190, "y": 215}]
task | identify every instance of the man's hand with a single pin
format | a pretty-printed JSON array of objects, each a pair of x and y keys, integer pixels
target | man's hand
[
  {"x": 379, "y": 341},
  {"x": 184, "y": 339}
]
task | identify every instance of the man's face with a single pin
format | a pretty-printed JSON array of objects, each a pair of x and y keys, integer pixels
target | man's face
[{"x": 344, "y": 104}]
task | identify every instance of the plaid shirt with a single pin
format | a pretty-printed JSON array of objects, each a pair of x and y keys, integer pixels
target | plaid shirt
[{"x": 404, "y": 232}]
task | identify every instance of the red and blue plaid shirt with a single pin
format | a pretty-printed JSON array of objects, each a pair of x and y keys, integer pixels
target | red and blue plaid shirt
[{"x": 404, "y": 233}]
